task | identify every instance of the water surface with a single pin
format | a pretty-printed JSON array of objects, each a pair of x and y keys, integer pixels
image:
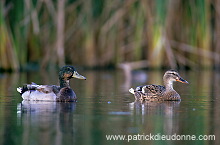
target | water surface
[{"x": 105, "y": 107}]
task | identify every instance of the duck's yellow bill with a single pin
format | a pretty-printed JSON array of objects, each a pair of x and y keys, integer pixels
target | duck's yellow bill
[{"x": 78, "y": 76}]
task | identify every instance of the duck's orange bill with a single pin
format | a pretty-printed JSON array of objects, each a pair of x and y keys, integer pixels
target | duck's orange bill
[{"x": 182, "y": 81}]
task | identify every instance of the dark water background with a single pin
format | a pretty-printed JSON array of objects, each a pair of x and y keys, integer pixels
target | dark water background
[{"x": 105, "y": 107}]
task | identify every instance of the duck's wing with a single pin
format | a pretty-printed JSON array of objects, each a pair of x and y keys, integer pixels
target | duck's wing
[
  {"x": 39, "y": 92},
  {"x": 41, "y": 88},
  {"x": 152, "y": 90},
  {"x": 148, "y": 92},
  {"x": 139, "y": 88}
]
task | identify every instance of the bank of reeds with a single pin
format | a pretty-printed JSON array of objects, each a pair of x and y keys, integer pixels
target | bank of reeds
[{"x": 102, "y": 33}]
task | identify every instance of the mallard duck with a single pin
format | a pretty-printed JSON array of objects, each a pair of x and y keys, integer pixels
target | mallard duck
[
  {"x": 158, "y": 92},
  {"x": 62, "y": 93}
]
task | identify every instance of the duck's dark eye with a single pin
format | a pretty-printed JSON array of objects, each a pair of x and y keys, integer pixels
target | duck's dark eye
[{"x": 69, "y": 68}]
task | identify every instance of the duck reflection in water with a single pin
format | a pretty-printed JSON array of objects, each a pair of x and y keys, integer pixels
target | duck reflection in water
[
  {"x": 54, "y": 119},
  {"x": 163, "y": 111}
]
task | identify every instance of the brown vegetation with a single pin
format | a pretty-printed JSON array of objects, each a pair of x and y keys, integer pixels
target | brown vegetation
[{"x": 102, "y": 33}]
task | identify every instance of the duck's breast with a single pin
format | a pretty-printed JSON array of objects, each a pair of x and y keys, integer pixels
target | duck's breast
[
  {"x": 171, "y": 95},
  {"x": 66, "y": 94}
]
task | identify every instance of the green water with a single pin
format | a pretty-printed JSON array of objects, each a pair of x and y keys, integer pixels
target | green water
[{"x": 105, "y": 107}]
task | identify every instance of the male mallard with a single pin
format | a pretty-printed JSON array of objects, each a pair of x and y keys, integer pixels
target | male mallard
[
  {"x": 52, "y": 92},
  {"x": 158, "y": 92}
]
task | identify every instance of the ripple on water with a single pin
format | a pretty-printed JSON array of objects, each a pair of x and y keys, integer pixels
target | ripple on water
[{"x": 119, "y": 113}]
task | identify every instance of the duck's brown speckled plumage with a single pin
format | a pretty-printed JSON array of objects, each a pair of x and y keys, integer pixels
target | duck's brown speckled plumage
[{"x": 158, "y": 92}]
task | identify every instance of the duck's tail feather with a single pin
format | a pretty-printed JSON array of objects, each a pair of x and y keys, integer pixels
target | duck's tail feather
[
  {"x": 131, "y": 90},
  {"x": 19, "y": 89},
  {"x": 27, "y": 87}
]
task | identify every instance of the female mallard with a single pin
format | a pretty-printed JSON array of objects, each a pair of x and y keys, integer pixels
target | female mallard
[
  {"x": 158, "y": 92},
  {"x": 62, "y": 93}
]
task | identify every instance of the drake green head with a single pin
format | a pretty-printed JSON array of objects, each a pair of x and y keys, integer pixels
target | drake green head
[{"x": 68, "y": 72}]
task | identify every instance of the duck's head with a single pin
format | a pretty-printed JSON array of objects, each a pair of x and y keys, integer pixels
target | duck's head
[
  {"x": 68, "y": 72},
  {"x": 172, "y": 76}
]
